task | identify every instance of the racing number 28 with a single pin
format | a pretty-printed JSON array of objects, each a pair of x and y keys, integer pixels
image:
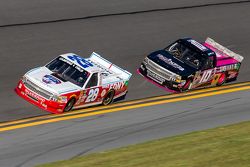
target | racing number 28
[{"x": 92, "y": 95}]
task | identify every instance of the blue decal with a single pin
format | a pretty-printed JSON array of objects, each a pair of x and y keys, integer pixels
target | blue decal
[
  {"x": 81, "y": 61},
  {"x": 49, "y": 79}
]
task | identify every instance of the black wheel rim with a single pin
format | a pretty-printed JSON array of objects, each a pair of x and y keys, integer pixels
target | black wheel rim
[
  {"x": 69, "y": 105},
  {"x": 108, "y": 98}
]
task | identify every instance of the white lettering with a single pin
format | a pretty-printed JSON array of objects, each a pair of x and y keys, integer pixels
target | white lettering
[
  {"x": 170, "y": 62},
  {"x": 197, "y": 44}
]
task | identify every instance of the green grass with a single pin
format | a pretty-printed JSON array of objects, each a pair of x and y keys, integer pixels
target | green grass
[{"x": 227, "y": 146}]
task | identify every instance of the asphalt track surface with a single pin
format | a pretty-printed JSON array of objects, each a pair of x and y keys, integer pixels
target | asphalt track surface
[
  {"x": 72, "y": 138},
  {"x": 124, "y": 39}
]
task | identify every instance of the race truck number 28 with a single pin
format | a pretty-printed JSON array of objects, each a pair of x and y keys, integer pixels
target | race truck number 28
[{"x": 92, "y": 95}]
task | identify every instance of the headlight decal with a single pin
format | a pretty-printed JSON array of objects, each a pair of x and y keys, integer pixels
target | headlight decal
[
  {"x": 60, "y": 99},
  {"x": 178, "y": 79}
]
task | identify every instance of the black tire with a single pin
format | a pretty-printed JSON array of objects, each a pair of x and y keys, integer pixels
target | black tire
[
  {"x": 108, "y": 97},
  {"x": 69, "y": 105}
]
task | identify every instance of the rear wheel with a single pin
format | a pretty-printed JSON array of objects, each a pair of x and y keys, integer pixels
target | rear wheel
[
  {"x": 222, "y": 79},
  {"x": 108, "y": 98},
  {"x": 69, "y": 105}
]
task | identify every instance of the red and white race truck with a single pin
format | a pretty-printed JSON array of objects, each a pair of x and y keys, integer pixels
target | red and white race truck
[{"x": 70, "y": 81}]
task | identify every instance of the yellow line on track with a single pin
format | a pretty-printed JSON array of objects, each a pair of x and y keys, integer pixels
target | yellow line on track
[
  {"x": 84, "y": 110},
  {"x": 124, "y": 108}
]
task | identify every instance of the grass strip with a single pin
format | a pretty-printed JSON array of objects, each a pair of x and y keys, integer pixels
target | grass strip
[{"x": 227, "y": 146}]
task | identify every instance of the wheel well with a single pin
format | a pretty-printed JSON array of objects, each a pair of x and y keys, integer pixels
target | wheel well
[
  {"x": 72, "y": 98},
  {"x": 226, "y": 73},
  {"x": 110, "y": 92}
]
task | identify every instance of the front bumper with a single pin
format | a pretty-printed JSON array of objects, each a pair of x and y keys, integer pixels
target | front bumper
[
  {"x": 37, "y": 100},
  {"x": 172, "y": 85}
]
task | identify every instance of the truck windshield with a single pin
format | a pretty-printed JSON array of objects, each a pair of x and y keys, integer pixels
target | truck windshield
[
  {"x": 67, "y": 71},
  {"x": 186, "y": 55}
]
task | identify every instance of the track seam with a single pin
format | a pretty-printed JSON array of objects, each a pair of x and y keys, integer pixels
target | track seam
[{"x": 123, "y": 13}]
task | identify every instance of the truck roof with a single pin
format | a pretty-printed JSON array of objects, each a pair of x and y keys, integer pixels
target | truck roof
[
  {"x": 197, "y": 46},
  {"x": 109, "y": 72},
  {"x": 84, "y": 63}
]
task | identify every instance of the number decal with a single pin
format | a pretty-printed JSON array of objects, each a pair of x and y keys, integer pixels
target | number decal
[
  {"x": 81, "y": 61},
  {"x": 92, "y": 95},
  {"x": 206, "y": 75}
]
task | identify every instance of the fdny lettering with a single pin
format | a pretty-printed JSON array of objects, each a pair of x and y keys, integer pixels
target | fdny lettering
[{"x": 117, "y": 85}]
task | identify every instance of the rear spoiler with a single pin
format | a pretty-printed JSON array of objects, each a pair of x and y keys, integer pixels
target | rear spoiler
[
  {"x": 96, "y": 58},
  {"x": 223, "y": 49}
]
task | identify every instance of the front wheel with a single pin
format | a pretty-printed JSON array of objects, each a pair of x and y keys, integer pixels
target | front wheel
[
  {"x": 222, "y": 79},
  {"x": 185, "y": 87},
  {"x": 69, "y": 105},
  {"x": 108, "y": 98}
]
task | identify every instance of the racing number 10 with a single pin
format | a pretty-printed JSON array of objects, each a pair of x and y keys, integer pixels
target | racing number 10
[
  {"x": 92, "y": 95},
  {"x": 206, "y": 75}
]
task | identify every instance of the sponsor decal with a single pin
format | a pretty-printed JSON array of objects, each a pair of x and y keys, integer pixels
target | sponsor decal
[
  {"x": 155, "y": 77},
  {"x": 49, "y": 79},
  {"x": 81, "y": 61},
  {"x": 170, "y": 62},
  {"x": 237, "y": 66},
  {"x": 65, "y": 60},
  {"x": 228, "y": 67},
  {"x": 105, "y": 86},
  {"x": 117, "y": 85},
  {"x": 44, "y": 105},
  {"x": 126, "y": 83},
  {"x": 232, "y": 74},
  {"x": 20, "y": 85},
  {"x": 198, "y": 45},
  {"x": 210, "y": 53},
  {"x": 103, "y": 93},
  {"x": 34, "y": 95},
  {"x": 82, "y": 97}
]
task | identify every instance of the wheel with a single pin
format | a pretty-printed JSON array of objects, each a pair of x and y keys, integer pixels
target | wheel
[
  {"x": 109, "y": 97},
  {"x": 186, "y": 85},
  {"x": 69, "y": 105},
  {"x": 221, "y": 80}
]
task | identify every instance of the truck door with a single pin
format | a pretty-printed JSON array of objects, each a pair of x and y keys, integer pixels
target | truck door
[
  {"x": 93, "y": 89},
  {"x": 206, "y": 74}
]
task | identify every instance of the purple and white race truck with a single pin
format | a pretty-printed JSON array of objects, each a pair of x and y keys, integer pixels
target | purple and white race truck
[{"x": 187, "y": 64}]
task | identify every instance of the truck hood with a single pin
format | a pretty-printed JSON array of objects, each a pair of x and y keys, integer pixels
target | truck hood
[
  {"x": 169, "y": 62},
  {"x": 45, "y": 79}
]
